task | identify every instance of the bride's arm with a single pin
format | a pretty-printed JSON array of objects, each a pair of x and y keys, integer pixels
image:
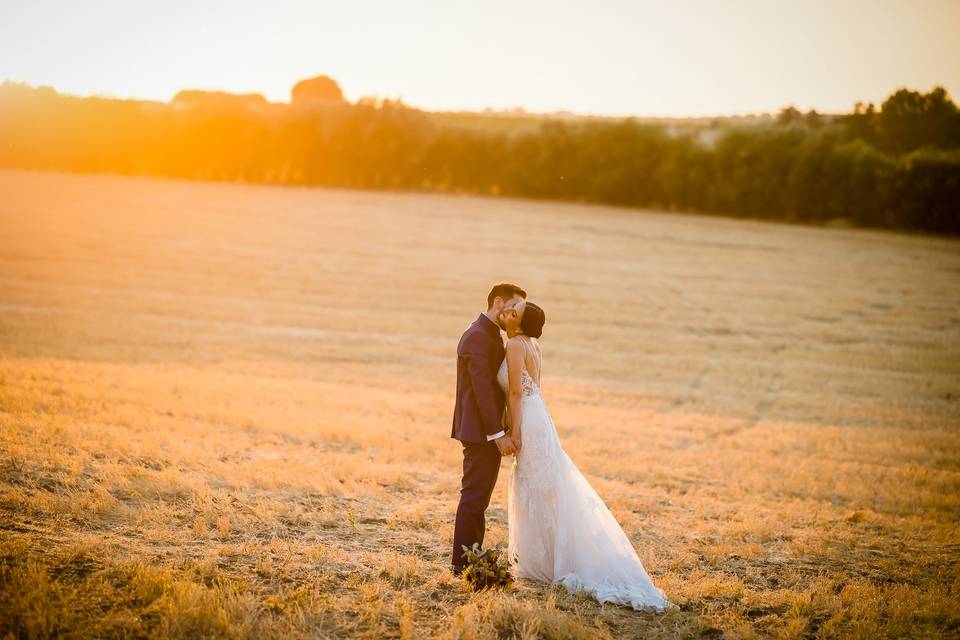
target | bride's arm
[{"x": 515, "y": 355}]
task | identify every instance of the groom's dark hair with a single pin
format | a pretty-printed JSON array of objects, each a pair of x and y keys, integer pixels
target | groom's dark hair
[{"x": 504, "y": 290}]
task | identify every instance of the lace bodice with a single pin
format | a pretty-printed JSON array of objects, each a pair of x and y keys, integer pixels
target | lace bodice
[{"x": 527, "y": 383}]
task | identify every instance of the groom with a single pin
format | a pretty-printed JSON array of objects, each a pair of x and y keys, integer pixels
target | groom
[{"x": 476, "y": 417}]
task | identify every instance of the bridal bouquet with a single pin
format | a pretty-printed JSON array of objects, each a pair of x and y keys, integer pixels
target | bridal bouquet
[{"x": 485, "y": 569}]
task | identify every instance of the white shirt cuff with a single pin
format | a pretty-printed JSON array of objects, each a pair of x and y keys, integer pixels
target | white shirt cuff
[{"x": 499, "y": 434}]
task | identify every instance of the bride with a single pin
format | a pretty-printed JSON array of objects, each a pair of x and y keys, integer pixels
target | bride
[{"x": 560, "y": 530}]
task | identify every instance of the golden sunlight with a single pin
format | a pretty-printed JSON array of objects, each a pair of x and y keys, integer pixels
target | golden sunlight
[{"x": 532, "y": 320}]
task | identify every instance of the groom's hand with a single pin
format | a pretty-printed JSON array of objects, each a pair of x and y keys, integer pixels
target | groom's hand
[{"x": 505, "y": 445}]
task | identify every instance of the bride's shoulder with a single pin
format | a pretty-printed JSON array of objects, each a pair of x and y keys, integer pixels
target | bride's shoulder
[
  {"x": 518, "y": 344},
  {"x": 514, "y": 343}
]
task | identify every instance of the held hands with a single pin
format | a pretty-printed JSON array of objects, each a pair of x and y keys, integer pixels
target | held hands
[{"x": 506, "y": 445}]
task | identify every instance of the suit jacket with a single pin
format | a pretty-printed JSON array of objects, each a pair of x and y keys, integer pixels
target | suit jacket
[{"x": 480, "y": 400}]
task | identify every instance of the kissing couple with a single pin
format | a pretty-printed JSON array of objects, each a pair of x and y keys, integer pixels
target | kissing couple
[{"x": 560, "y": 529}]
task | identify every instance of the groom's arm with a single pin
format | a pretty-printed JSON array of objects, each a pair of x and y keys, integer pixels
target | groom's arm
[
  {"x": 504, "y": 426},
  {"x": 484, "y": 385}
]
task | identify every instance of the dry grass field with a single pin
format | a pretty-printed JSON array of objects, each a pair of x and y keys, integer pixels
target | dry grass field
[{"x": 225, "y": 412}]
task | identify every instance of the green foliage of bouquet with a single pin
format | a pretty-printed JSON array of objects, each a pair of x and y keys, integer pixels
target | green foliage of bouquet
[{"x": 485, "y": 569}]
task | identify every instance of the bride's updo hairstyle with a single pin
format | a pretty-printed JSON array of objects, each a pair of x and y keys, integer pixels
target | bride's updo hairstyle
[{"x": 531, "y": 322}]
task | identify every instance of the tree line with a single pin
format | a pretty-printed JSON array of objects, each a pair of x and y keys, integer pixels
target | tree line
[{"x": 895, "y": 167}]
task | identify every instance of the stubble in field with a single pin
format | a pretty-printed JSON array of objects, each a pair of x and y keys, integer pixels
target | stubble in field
[{"x": 224, "y": 411}]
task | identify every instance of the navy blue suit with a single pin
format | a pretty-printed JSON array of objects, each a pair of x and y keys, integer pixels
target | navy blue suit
[{"x": 477, "y": 412}]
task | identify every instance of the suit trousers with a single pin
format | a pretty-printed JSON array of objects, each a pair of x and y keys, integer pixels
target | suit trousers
[{"x": 481, "y": 466}]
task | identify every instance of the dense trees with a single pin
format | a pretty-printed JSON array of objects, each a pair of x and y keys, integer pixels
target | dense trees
[
  {"x": 895, "y": 167},
  {"x": 908, "y": 120}
]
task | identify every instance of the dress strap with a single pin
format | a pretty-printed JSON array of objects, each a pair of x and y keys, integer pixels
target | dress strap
[{"x": 529, "y": 345}]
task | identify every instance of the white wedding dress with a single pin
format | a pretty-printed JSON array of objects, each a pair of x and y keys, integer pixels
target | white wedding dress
[{"x": 560, "y": 529}]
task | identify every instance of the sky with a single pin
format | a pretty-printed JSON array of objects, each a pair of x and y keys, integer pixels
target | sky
[{"x": 608, "y": 57}]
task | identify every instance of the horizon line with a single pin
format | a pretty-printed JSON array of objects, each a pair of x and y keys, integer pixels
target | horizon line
[{"x": 518, "y": 110}]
